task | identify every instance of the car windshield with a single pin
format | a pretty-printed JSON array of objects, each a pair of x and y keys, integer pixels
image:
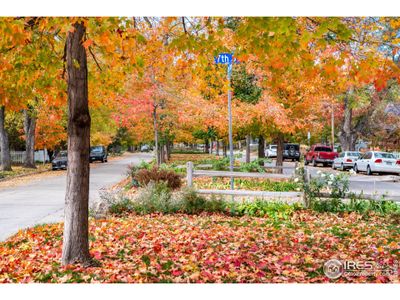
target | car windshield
[
  {"x": 96, "y": 149},
  {"x": 355, "y": 154},
  {"x": 292, "y": 147},
  {"x": 274, "y": 147},
  {"x": 323, "y": 149},
  {"x": 384, "y": 155},
  {"x": 62, "y": 154}
]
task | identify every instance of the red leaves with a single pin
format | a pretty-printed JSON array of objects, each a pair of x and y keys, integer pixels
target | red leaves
[
  {"x": 86, "y": 44},
  {"x": 209, "y": 248}
]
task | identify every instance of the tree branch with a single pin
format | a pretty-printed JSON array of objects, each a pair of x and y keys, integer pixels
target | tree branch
[
  {"x": 184, "y": 25},
  {"x": 94, "y": 57},
  {"x": 148, "y": 21}
]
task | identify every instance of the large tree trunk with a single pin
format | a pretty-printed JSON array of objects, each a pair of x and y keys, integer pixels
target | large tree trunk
[
  {"x": 4, "y": 144},
  {"x": 261, "y": 149},
  {"x": 76, "y": 243},
  {"x": 217, "y": 148},
  {"x": 347, "y": 135},
  {"x": 248, "y": 141},
  {"x": 279, "y": 152},
  {"x": 29, "y": 128}
]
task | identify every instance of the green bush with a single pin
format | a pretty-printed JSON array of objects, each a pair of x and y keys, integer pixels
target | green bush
[
  {"x": 336, "y": 205},
  {"x": 118, "y": 208},
  {"x": 262, "y": 208},
  {"x": 192, "y": 202},
  {"x": 255, "y": 165},
  {"x": 155, "y": 198}
]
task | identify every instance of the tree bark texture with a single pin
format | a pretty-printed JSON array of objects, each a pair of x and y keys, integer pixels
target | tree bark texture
[
  {"x": 347, "y": 135},
  {"x": 29, "y": 129},
  {"x": 207, "y": 146},
  {"x": 76, "y": 243},
  {"x": 156, "y": 135},
  {"x": 261, "y": 149},
  {"x": 224, "y": 149},
  {"x": 4, "y": 143},
  {"x": 248, "y": 141},
  {"x": 279, "y": 152}
]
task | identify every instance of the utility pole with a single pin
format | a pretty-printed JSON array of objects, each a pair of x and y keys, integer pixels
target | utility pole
[
  {"x": 227, "y": 59},
  {"x": 230, "y": 124}
]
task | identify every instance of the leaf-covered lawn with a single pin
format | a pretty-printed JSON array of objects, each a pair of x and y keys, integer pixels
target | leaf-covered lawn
[{"x": 206, "y": 248}]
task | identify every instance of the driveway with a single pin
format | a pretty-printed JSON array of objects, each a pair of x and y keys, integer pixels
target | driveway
[{"x": 42, "y": 201}]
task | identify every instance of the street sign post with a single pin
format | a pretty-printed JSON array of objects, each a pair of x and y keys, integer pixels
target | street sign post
[{"x": 227, "y": 59}]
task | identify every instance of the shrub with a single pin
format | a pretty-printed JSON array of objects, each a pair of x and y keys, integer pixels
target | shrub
[
  {"x": 191, "y": 202},
  {"x": 155, "y": 198},
  {"x": 118, "y": 208},
  {"x": 262, "y": 208},
  {"x": 145, "y": 176},
  {"x": 360, "y": 206}
]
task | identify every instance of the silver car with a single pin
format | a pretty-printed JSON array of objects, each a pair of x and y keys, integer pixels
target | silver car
[
  {"x": 377, "y": 162},
  {"x": 345, "y": 160}
]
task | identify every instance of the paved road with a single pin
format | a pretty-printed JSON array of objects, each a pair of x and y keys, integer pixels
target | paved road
[{"x": 42, "y": 201}]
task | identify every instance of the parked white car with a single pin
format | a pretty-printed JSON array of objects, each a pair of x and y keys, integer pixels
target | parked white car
[
  {"x": 345, "y": 160},
  {"x": 377, "y": 162},
  {"x": 271, "y": 151}
]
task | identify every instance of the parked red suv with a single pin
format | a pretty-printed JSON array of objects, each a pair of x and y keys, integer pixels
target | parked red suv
[{"x": 320, "y": 154}]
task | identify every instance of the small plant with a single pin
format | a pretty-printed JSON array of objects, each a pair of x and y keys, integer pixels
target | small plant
[
  {"x": 262, "y": 208},
  {"x": 118, "y": 208},
  {"x": 191, "y": 202},
  {"x": 220, "y": 164},
  {"x": 253, "y": 166},
  {"x": 155, "y": 198},
  {"x": 157, "y": 175}
]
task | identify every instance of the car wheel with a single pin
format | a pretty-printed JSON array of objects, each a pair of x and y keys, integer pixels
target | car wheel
[
  {"x": 306, "y": 162},
  {"x": 342, "y": 168},
  {"x": 314, "y": 163},
  {"x": 369, "y": 172},
  {"x": 356, "y": 168},
  {"x": 333, "y": 166}
]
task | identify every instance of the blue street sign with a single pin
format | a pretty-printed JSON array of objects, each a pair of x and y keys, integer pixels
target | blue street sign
[{"x": 223, "y": 58}]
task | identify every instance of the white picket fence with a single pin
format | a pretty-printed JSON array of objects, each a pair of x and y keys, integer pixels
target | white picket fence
[{"x": 18, "y": 157}]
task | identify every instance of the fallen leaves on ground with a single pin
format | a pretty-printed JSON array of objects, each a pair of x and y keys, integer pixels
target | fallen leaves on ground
[{"x": 205, "y": 248}]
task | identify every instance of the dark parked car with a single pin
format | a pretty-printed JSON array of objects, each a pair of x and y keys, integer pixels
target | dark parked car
[
  {"x": 291, "y": 151},
  {"x": 98, "y": 153},
  {"x": 60, "y": 161}
]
